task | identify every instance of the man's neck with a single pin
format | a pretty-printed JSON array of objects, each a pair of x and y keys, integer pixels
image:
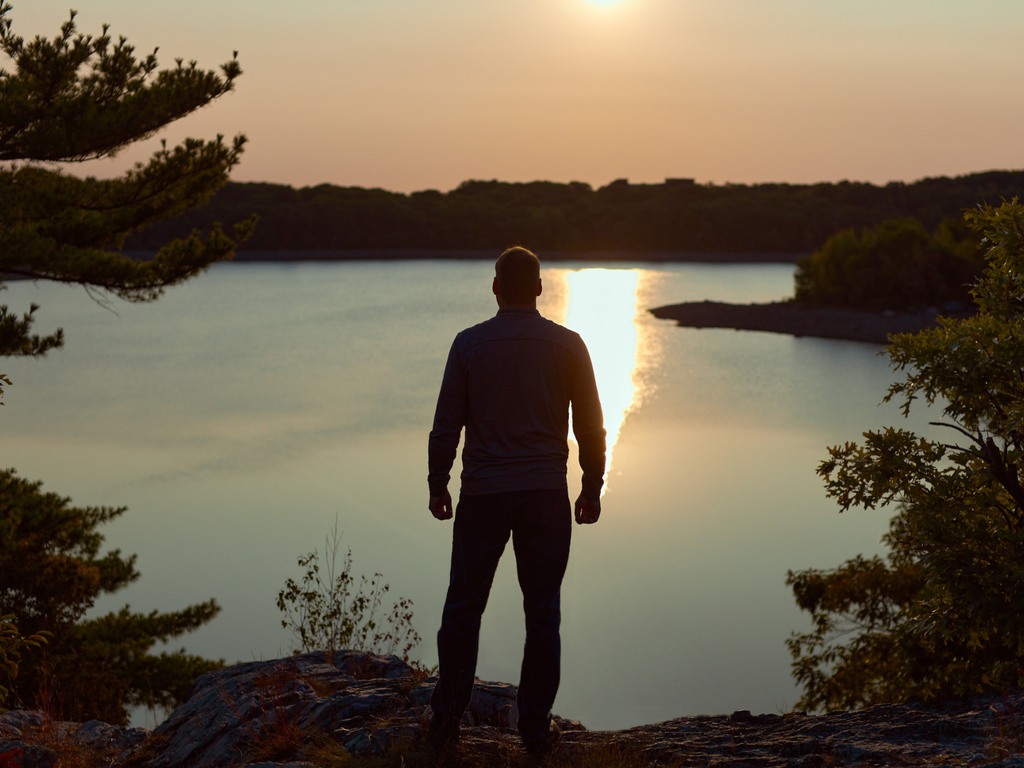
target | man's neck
[{"x": 517, "y": 306}]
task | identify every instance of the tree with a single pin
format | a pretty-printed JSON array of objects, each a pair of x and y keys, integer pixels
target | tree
[
  {"x": 78, "y": 97},
  {"x": 896, "y": 265},
  {"x": 70, "y": 99},
  {"x": 52, "y": 573},
  {"x": 940, "y": 617}
]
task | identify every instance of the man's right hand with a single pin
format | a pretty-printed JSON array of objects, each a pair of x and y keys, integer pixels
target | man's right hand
[
  {"x": 441, "y": 506},
  {"x": 587, "y": 510}
]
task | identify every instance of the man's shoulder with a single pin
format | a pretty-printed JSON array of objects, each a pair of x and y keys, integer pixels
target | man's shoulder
[{"x": 527, "y": 325}]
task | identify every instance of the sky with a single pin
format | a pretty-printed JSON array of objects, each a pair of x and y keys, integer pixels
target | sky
[{"x": 409, "y": 95}]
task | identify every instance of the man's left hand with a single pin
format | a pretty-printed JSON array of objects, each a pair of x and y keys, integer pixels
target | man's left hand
[{"x": 441, "y": 506}]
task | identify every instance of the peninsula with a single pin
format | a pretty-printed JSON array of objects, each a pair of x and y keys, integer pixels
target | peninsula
[{"x": 802, "y": 320}]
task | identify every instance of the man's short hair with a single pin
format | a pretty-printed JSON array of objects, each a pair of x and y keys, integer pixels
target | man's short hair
[{"x": 518, "y": 271}]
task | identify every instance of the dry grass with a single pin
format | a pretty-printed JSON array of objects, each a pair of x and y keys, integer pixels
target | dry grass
[
  {"x": 280, "y": 742},
  {"x": 275, "y": 735},
  {"x": 507, "y": 753},
  {"x": 1009, "y": 736},
  {"x": 58, "y": 738}
]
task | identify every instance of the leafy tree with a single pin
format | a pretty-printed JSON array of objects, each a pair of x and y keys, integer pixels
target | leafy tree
[
  {"x": 51, "y": 572},
  {"x": 78, "y": 97},
  {"x": 940, "y": 616},
  {"x": 895, "y": 265}
]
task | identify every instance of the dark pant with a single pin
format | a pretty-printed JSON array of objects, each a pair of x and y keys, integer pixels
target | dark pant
[{"x": 540, "y": 523}]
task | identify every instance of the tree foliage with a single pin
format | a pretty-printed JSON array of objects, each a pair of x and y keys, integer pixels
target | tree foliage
[
  {"x": 72, "y": 98},
  {"x": 637, "y": 219},
  {"x": 940, "y": 617},
  {"x": 78, "y": 97},
  {"x": 332, "y": 610},
  {"x": 896, "y": 265},
  {"x": 51, "y": 573}
]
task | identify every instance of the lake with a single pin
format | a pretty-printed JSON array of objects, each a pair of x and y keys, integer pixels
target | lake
[{"x": 245, "y": 411}]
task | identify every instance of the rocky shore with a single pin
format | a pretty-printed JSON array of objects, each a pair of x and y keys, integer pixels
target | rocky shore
[
  {"x": 799, "y": 320},
  {"x": 321, "y": 709}
]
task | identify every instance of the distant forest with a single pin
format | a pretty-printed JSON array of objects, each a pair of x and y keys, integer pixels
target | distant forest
[{"x": 677, "y": 216}]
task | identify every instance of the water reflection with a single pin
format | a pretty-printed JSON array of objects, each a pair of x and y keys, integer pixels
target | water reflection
[
  {"x": 356, "y": 351},
  {"x": 603, "y": 306}
]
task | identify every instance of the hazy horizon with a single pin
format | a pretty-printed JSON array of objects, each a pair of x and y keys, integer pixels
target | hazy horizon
[
  {"x": 407, "y": 95},
  {"x": 631, "y": 181}
]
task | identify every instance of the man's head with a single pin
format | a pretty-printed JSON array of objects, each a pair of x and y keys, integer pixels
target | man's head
[{"x": 517, "y": 278}]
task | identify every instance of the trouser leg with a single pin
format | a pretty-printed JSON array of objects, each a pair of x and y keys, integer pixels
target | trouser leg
[
  {"x": 480, "y": 533},
  {"x": 541, "y": 536}
]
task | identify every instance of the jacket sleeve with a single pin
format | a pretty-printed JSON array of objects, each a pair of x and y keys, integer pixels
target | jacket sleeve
[
  {"x": 449, "y": 419},
  {"x": 588, "y": 424}
]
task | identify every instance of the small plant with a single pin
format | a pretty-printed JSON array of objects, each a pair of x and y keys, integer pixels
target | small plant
[
  {"x": 281, "y": 741},
  {"x": 1009, "y": 727},
  {"x": 11, "y": 646},
  {"x": 330, "y": 610},
  {"x": 58, "y": 738}
]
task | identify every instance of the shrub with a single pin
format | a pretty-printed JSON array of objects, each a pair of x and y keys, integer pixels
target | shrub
[
  {"x": 11, "y": 645},
  {"x": 331, "y": 610}
]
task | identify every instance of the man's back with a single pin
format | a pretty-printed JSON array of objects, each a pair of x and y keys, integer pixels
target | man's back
[{"x": 510, "y": 381}]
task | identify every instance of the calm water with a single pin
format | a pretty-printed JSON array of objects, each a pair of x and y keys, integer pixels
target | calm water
[{"x": 243, "y": 412}]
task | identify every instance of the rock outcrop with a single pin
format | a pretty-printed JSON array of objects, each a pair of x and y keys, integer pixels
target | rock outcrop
[{"x": 303, "y": 710}]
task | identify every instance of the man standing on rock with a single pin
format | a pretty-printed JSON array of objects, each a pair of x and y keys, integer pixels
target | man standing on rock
[{"x": 510, "y": 382}]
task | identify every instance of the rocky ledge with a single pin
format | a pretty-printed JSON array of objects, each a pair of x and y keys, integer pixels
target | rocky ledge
[
  {"x": 316, "y": 708},
  {"x": 800, "y": 320}
]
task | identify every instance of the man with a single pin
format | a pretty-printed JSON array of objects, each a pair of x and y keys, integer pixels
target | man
[{"x": 510, "y": 382}]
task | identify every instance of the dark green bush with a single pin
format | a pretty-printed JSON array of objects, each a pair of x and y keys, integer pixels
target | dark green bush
[{"x": 896, "y": 265}]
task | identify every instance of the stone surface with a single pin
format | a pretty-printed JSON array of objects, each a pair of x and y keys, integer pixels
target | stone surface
[
  {"x": 286, "y": 713},
  {"x": 16, "y": 754},
  {"x": 911, "y": 735},
  {"x": 32, "y": 740},
  {"x": 267, "y": 711}
]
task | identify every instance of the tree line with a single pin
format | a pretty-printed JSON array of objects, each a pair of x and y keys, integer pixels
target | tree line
[{"x": 544, "y": 215}]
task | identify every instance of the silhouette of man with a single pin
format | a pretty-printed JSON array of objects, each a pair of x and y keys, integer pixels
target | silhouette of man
[{"x": 510, "y": 382}]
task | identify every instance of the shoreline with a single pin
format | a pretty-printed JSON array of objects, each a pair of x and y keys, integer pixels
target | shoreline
[
  {"x": 798, "y": 320},
  {"x": 489, "y": 254}
]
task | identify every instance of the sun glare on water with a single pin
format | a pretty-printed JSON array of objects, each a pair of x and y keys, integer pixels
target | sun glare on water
[{"x": 602, "y": 306}]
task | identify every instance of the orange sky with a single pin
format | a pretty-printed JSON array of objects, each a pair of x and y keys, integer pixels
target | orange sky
[{"x": 418, "y": 94}]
